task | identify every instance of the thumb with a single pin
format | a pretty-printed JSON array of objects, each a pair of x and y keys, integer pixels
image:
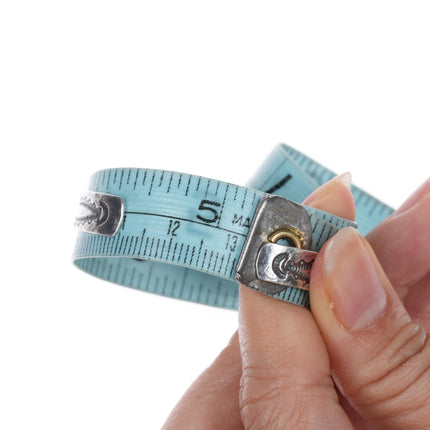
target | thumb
[{"x": 380, "y": 359}]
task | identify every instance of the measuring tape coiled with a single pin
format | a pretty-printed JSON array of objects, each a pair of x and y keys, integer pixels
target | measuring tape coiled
[{"x": 194, "y": 238}]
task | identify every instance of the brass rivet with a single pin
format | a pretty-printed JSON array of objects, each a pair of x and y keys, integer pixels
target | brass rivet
[{"x": 289, "y": 233}]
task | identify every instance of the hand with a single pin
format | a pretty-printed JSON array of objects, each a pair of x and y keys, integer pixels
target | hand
[{"x": 368, "y": 332}]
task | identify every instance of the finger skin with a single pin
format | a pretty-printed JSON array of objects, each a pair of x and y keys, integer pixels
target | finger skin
[
  {"x": 382, "y": 368},
  {"x": 402, "y": 244},
  {"x": 415, "y": 197},
  {"x": 286, "y": 382},
  {"x": 335, "y": 197},
  {"x": 417, "y": 302},
  {"x": 211, "y": 403}
]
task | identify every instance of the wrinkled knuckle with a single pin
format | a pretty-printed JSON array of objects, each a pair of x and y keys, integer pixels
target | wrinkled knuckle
[
  {"x": 258, "y": 385},
  {"x": 263, "y": 402},
  {"x": 393, "y": 379},
  {"x": 269, "y": 398}
]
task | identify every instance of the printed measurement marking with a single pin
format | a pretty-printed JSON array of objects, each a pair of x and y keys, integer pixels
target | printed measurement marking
[
  {"x": 208, "y": 205},
  {"x": 152, "y": 183},
  {"x": 185, "y": 219},
  {"x": 170, "y": 183},
  {"x": 188, "y": 186},
  {"x": 135, "y": 180},
  {"x": 279, "y": 184}
]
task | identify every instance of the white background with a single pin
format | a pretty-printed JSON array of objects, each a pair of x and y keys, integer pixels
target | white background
[{"x": 195, "y": 86}]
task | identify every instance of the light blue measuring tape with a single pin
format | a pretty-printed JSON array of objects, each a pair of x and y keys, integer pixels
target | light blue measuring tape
[{"x": 194, "y": 238}]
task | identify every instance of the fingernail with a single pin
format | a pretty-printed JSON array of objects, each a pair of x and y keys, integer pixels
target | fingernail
[
  {"x": 352, "y": 281},
  {"x": 343, "y": 179}
]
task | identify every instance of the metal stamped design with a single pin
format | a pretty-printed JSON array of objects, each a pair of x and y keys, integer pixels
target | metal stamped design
[
  {"x": 99, "y": 213},
  {"x": 284, "y": 266}
]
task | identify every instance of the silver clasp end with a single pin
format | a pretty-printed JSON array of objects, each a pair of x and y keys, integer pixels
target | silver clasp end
[
  {"x": 99, "y": 213},
  {"x": 267, "y": 265}
]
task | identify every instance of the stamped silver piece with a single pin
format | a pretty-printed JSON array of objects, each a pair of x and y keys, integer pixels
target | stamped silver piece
[
  {"x": 99, "y": 213},
  {"x": 269, "y": 266},
  {"x": 285, "y": 266}
]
